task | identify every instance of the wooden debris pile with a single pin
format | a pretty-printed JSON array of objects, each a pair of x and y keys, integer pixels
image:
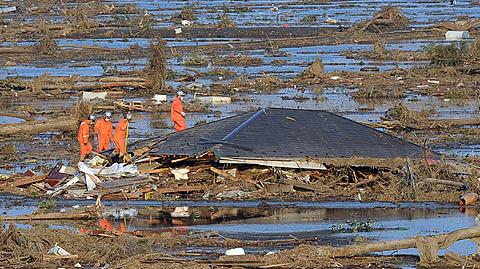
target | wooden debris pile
[
  {"x": 387, "y": 19},
  {"x": 148, "y": 177}
]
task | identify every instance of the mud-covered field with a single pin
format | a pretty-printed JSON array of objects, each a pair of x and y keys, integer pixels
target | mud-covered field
[{"x": 383, "y": 63}]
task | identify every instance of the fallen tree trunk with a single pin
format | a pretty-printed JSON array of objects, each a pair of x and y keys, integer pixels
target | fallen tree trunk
[
  {"x": 35, "y": 127},
  {"x": 74, "y": 215},
  {"x": 427, "y": 245},
  {"x": 16, "y": 115}
]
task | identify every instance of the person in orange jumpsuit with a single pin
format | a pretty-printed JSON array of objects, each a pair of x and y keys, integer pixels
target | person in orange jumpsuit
[
  {"x": 120, "y": 134},
  {"x": 178, "y": 116},
  {"x": 103, "y": 129},
  {"x": 84, "y": 137}
]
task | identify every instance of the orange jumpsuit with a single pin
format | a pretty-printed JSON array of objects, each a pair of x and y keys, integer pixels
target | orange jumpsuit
[
  {"x": 176, "y": 113},
  {"x": 103, "y": 129},
  {"x": 83, "y": 138},
  {"x": 119, "y": 136}
]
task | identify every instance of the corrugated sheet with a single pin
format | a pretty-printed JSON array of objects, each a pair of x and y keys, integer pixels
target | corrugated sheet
[{"x": 288, "y": 133}]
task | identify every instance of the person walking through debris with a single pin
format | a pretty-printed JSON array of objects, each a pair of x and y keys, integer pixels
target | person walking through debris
[
  {"x": 120, "y": 135},
  {"x": 103, "y": 129},
  {"x": 178, "y": 116},
  {"x": 84, "y": 137}
]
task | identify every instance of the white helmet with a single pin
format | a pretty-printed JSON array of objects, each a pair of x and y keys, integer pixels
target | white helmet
[
  {"x": 108, "y": 114},
  {"x": 128, "y": 116},
  {"x": 180, "y": 93},
  {"x": 91, "y": 117}
]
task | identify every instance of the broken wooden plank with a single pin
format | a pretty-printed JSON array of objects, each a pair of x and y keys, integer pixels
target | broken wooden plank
[
  {"x": 47, "y": 258},
  {"x": 20, "y": 182},
  {"x": 178, "y": 189},
  {"x": 222, "y": 173},
  {"x": 364, "y": 182},
  {"x": 306, "y": 187},
  {"x": 181, "y": 159},
  {"x": 157, "y": 171}
]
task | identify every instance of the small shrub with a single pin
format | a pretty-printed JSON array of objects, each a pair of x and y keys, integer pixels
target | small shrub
[{"x": 47, "y": 205}]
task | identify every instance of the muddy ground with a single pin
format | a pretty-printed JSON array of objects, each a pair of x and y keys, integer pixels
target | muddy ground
[{"x": 389, "y": 67}]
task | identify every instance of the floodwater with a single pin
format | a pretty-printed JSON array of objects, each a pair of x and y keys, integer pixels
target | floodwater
[{"x": 316, "y": 222}]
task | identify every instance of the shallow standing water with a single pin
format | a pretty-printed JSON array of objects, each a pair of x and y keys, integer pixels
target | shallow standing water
[{"x": 311, "y": 221}]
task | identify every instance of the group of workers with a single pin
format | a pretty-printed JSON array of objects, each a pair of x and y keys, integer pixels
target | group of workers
[{"x": 103, "y": 129}]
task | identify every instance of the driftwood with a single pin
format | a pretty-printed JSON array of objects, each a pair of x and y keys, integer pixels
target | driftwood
[
  {"x": 16, "y": 115},
  {"x": 73, "y": 215},
  {"x": 446, "y": 183},
  {"x": 35, "y": 127},
  {"x": 428, "y": 246}
]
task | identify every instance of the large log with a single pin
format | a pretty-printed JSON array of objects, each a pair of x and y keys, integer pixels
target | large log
[{"x": 35, "y": 127}]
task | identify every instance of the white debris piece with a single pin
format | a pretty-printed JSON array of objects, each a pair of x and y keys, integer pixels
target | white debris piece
[
  {"x": 116, "y": 170},
  {"x": 178, "y": 31},
  {"x": 235, "y": 252},
  {"x": 457, "y": 35},
  {"x": 159, "y": 98},
  {"x": 330, "y": 21},
  {"x": 57, "y": 250},
  {"x": 186, "y": 22},
  {"x": 120, "y": 213},
  {"x": 214, "y": 100},
  {"x": 181, "y": 173},
  {"x": 7, "y": 9},
  {"x": 90, "y": 182},
  {"x": 58, "y": 190},
  {"x": 180, "y": 212},
  {"x": 94, "y": 95}
]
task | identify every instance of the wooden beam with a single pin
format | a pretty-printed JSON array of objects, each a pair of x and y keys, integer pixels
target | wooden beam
[
  {"x": 222, "y": 173},
  {"x": 296, "y": 164}
]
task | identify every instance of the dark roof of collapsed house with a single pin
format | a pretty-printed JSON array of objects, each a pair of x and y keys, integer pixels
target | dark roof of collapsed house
[{"x": 281, "y": 133}]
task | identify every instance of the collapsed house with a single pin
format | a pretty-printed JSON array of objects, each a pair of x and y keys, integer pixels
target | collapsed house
[
  {"x": 253, "y": 154},
  {"x": 286, "y": 138}
]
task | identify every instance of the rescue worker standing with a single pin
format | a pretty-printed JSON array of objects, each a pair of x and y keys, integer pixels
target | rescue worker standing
[
  {"x": 84, "y": 137},
  {"x": 103, "y": 129},
  {"x": 178, "y": 116},
  {"x": 121, "y": 133}
]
